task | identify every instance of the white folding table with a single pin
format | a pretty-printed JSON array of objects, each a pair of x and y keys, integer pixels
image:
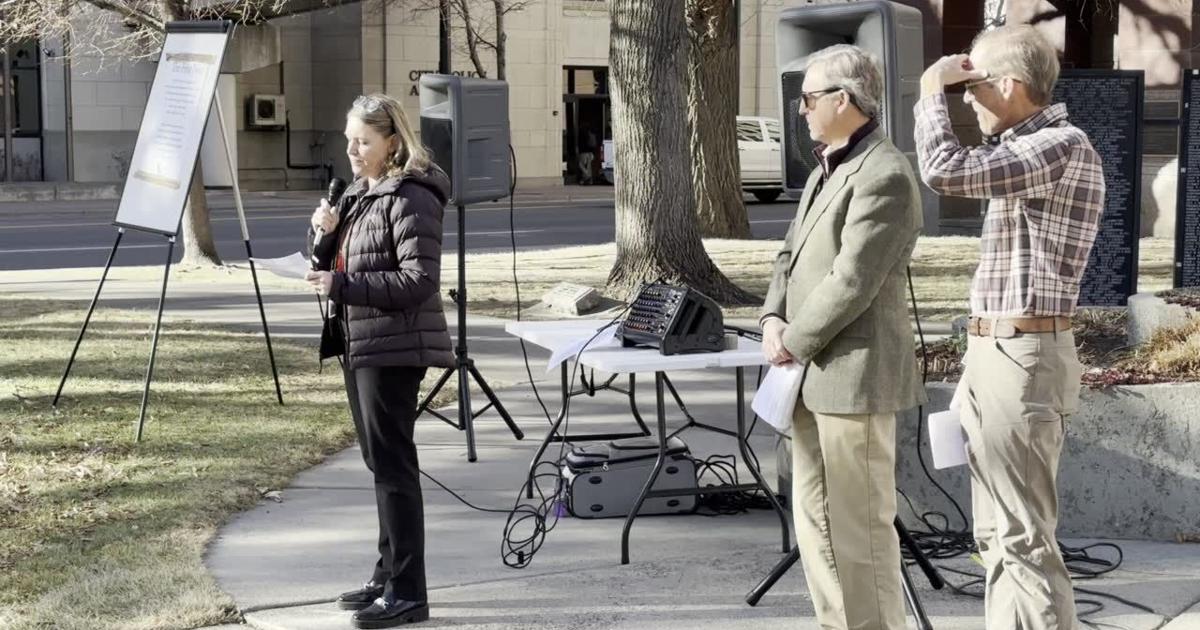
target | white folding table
[{"x": 553, "y": 335}]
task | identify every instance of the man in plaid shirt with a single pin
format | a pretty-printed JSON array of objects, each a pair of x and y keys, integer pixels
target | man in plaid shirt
[{"x": 1045, "y": 189}]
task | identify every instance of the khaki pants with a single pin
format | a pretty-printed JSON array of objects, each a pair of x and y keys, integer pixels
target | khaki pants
[
  {"x": 1018, "y": 392},
  {"x": 844, "y": 498}
]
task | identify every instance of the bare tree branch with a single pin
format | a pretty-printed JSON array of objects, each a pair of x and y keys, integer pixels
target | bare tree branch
[{"x": 130, "y": 12}]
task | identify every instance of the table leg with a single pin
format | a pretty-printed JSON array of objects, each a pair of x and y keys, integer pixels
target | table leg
[
  {"x": 637, "y": 416},
  {"x": 744, "y": 446},
  {"x": 562, "y": 414},
  {"x": 662, "y": 456}
]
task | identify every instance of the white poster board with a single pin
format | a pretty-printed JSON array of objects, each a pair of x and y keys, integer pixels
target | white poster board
[{"x": 168, "y": 141}]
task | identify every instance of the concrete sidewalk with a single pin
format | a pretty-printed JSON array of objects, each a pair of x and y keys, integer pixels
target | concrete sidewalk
[{"x": 284, "y": 562}]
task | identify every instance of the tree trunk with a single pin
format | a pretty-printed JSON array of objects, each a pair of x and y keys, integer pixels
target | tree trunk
[
  {"x": 655, "y": 215},
  {"x": 712, "y": 119},
  {"x": 198, "y": 245},
  {"x": 501, "y": 44}
]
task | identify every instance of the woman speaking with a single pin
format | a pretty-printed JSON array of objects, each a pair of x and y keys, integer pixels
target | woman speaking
[{"x": 378, "y": 259}]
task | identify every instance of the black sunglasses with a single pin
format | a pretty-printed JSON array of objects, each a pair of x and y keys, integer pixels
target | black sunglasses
[{"x": 810, "y": 98}]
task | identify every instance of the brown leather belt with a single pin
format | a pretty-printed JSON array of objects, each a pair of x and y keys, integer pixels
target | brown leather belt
[{"x": 1004, "y": 327}]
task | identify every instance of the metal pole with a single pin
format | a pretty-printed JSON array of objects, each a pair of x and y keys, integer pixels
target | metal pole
[
  {"x": 88, "y": 318},
  {"x": 69, "y": 109},
  {"x": 241, "y": 212},
  {"x": 162, "y": 299},
  {"x": 6, "y": 89},
  {"x": 465, "y": 416}
]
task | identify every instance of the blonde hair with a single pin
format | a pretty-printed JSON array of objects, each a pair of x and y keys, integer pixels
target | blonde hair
[
  {"x": 386, "y": 116},
  {"x": 1019, "y": 51}
]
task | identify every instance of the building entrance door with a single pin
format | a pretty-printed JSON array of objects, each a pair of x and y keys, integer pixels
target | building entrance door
[{"x": 587, "y": 123}]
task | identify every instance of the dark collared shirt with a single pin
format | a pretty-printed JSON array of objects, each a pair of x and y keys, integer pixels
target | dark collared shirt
[{"x": 830, "y": 162}]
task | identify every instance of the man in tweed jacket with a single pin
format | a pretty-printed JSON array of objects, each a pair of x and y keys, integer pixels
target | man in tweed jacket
[{"x": 836, "y": 307}]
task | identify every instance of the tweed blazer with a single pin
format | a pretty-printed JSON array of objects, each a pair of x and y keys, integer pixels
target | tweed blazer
[{"x": 839, "y": 283}]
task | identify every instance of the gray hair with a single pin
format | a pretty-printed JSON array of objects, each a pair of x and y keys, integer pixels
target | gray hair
[
  {"x": 854, "y": 70},
  {"x": 1019, "y": 51}
]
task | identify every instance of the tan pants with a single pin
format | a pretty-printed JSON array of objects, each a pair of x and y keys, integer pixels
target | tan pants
[
  {"x": 1018, "y": 393},
  {"x": 844, "y": 498}
]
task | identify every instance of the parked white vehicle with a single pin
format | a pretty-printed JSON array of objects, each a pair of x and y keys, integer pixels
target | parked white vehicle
[{"x": 758, "y": 154}]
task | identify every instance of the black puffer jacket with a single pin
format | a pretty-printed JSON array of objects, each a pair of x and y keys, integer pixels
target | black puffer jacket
[{"x": 392, "y": 246}]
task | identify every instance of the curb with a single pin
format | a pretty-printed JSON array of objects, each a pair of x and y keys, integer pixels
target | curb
[
  {"x": 1187, "y": 620},
  {"x": 64, "y": 191}
]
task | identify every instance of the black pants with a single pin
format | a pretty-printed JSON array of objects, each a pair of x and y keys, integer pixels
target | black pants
[{"x": 383, "y": 402}]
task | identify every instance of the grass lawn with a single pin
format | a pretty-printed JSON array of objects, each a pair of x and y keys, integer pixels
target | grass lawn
[
  {"x": 102, "y": 533},
  {"x": 941, "y": 268}
]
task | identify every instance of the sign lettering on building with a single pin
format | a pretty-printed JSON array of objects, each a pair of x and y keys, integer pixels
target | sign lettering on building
[{"x": 415, "y": 77}]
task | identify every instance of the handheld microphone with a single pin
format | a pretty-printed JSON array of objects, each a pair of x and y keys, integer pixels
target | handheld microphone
[{"x": 337, "y": 186}]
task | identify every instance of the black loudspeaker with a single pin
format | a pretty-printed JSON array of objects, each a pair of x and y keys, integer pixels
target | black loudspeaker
[
  {"x": 889, "y": 30},
  {"x": 464, "y": 123}
]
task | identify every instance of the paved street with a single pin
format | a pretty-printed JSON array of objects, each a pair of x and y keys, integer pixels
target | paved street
[{"x": 80, "y": 233}]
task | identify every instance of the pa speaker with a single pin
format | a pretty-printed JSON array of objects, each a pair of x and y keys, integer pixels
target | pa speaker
[
  {"x": 464, "y": 123},
  {"x": 889, "y": 30}
]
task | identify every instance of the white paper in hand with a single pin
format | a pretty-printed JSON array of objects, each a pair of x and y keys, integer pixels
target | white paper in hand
[
  {"x": 294, "y": 266},
  {"x": 946, "y": 439},
  {"x": 775, "y": 400}
]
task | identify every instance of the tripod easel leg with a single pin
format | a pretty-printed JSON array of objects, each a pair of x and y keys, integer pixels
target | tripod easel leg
[
  {"x": 910, "y": 597},
  {"x": 241, "y": 212},
  {"x": 463, "y": 364},
  {"x": 88, "y": 318},
  {"x": 424, "y": 406},
  {"x": 262, "y": 313},
  {"x": 162, "y": 298},
  {"x": 491, "y": 396},
  {"x": 466, "y": 418},
  {"x": 910, "y": 592},
  {"x": 931, "y": 572},
  {"x": 777, "y": 572}
]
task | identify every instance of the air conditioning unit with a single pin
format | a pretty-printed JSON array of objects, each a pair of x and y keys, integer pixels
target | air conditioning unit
[{"x": 265, "y": 111}]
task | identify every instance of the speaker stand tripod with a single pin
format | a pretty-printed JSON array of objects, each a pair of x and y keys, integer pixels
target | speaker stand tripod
[
  {"x": 910, "y": 593},
  {"x": 464, "y": 365}
]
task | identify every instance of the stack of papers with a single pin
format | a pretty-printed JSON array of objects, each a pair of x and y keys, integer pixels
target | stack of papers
[
  {"x": 775, "y": 400},
  {"x": 605, "y": 339},
  {"x": 294, "y": 266}
]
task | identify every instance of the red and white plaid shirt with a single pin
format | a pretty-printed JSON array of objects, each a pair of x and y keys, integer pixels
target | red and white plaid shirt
[{"x": 1046, "y": 188}]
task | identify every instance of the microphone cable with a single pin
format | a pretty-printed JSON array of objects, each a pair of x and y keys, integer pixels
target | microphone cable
[
  {"x": 512, "y": 235},
  {"x": 530, "y": 520}
]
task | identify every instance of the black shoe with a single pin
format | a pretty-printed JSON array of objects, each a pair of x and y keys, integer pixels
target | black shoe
[
  {"x": 389, "y": 612},
  {"x": 360, "y": 599}
]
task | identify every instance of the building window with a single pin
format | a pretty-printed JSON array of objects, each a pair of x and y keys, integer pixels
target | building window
[
  {"x": 749, "y": 131},
  {"x": 23, "y": 90}
]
